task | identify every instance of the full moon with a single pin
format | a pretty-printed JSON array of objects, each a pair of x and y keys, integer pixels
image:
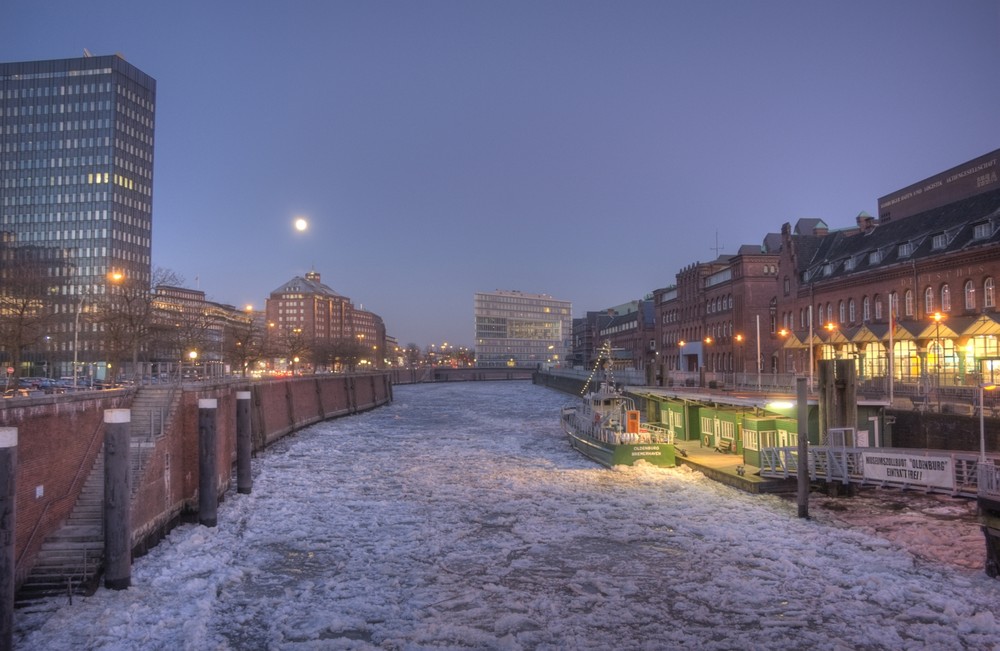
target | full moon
[{"x": 301, "y": 224}]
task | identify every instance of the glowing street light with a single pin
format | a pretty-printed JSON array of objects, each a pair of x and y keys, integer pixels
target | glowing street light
[{"x": 982, "y": 423}]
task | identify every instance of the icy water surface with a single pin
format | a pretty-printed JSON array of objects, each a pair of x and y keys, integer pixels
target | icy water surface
[{"x": 459, "y": 518}]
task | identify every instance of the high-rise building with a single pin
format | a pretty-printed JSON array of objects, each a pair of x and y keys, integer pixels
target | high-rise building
[
  {"x": 521, "y": 330},
  {"x": 76, "y": 188}
]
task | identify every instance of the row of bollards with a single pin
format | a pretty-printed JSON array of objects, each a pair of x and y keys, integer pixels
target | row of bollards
[{"x": 117, "y": 495}]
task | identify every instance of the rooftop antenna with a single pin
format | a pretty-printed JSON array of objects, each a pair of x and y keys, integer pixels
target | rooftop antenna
[{"x": 716, "y": 248}]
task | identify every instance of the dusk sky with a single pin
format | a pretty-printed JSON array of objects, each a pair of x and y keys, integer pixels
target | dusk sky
[{"x": 585, "y": 150}]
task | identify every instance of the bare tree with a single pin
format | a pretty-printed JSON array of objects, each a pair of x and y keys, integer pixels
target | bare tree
[{"x": 25, "y": 308}]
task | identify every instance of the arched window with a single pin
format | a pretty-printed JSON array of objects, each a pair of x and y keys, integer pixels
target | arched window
[
  {"x": 970, "y": 295},
  {"x": 945, "y": 298},
  {"x": 841, "y": 310},
  {"x": 829, "y": 312},
  {"x": 878, "y": 307},
  {"x": 852, "y": 311},
  {"x": 787, "y": 286},
  {"x": 988, "y": 293},
  {"x": 866, "y": 309},
  {"x": 908, "y": 303},
  {"x": 928, "y": 300}
]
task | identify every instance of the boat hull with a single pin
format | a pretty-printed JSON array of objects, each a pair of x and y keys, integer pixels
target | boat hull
[{"x": 623, "y": 454}]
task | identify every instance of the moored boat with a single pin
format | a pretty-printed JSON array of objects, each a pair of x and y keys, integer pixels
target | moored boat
[{"x": 607, "y": 427}]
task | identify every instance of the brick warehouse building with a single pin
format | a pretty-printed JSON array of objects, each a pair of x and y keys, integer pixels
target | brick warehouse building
[
  {"x": 718, "y": 314},
  {"x": 927, "y": 267},
  {"x": 822, "y": 293}
]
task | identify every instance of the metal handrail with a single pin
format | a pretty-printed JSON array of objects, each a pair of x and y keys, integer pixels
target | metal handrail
[{"x": 846, "y": 465}]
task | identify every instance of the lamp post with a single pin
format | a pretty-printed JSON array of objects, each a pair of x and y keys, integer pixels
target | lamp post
[
  {"x": 982, "y": 422},
  {"x": 76, "y": 336},
  {"x": 741, "y": 367},
  {"x": 937, "y": 316},
  {"x": 193, "y": 356}
]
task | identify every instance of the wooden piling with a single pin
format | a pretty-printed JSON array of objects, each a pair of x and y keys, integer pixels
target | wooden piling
[
  {"x": 117, "y": 500},
  {"x": 244, "y": 443},
  {"x": 208, "y": 491},
  {"x": 8, "y": 495}
]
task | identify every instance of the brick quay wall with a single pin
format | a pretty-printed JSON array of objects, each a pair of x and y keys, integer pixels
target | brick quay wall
[{"x": 60, "y": 439}]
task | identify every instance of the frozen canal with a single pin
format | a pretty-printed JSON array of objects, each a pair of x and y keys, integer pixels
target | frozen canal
[{"x": 459, "y": 518}]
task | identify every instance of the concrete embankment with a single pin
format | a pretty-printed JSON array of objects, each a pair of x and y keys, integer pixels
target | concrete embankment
[{"x": 60, "y": 440}]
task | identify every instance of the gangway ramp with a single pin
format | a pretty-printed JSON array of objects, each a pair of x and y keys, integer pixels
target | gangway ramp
[{"x": 938, "y": 471}]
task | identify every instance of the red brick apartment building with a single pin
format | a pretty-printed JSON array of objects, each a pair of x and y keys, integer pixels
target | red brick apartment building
[{"x": 911, "y": 293}]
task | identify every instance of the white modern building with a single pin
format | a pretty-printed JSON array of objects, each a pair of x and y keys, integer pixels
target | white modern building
[{"x": 514, "y": 329}]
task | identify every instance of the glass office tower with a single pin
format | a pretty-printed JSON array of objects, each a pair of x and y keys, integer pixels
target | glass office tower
[
  {"x": 514, "y": 329},
  {"x": 76, "y": 190}
]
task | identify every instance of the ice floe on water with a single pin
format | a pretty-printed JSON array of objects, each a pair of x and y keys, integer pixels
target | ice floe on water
[{"x": 459, "y": 518}]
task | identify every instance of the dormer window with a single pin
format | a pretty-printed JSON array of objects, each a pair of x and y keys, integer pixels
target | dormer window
[
  {"x": 848, "y": 264},
  {"x": 939, "y": 241},
  {"x": 827, "y": 269},
  {"x": 874, "y": 257},
  {"x": 981, "y": 231},
  {"x": 905, "y": 249}
]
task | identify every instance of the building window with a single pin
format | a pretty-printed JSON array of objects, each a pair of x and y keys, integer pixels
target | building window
[
  {"x": 905, "y": 249},
  {"x": 874, "y": 257},
  {"x": 842, "y": 312},
  {"x": 866, "y": 309},
  {"x": 988, "y": 293},
  {"x": 878, "y": 307},
  {"x": 945, "y": 298},
  {"x": 849, "y": 264},
  {"x": 970, "y": 295},
  {"x": 908, "y": 303},
  {"x": 928, "y": 300},
  {"x": 829, "y": 313},
  {"x": 787, "y": 286},
  {"x": 939, "y": 241},
  {"x": 981, "y": 231},
  {"x": 852, "y": 311}
]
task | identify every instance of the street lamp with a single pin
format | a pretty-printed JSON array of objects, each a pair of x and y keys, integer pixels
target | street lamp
[
  {"x": 937, "y": 316},
  {"x": 739, "y": 342},
  {"x": 76, "y": 336},
  {"x": 982, "y": 422}
]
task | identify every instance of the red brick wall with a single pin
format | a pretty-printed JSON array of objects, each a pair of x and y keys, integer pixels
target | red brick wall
[
  {"x": 59, "y": 439},
  {"x": 57, "y": 444}
]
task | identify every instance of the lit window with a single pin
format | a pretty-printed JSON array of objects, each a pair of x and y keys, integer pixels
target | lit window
[
  {"x": 945, "y": 298},
  {"x": 928, "y": 300},
  {"x": 988, "y": 293}
]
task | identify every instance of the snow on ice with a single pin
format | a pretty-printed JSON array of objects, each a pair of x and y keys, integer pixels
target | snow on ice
[{"x": 459, "y": 518}]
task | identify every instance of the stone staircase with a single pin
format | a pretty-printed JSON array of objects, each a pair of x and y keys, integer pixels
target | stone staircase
[
  {"x": 71, "y": 560},
  {"x": 152, "y": 407}
]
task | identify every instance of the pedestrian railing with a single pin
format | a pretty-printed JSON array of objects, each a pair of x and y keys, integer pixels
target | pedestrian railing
[{"x": 942, "y": 471}]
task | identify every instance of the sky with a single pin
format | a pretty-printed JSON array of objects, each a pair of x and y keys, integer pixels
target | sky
[
  {"x": 441, "y": 537},
  {"x": 585, "y": 150}
]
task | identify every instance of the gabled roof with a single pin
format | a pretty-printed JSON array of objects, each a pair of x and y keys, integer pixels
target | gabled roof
[
  {"x": 301, "y": 285},
  {"x": 847, "y": 252}
]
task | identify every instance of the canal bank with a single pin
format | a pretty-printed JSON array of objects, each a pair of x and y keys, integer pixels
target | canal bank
[{"x": 58, "y": 541}]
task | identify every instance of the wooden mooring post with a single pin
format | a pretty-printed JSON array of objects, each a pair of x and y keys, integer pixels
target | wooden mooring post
[
  {"x": 117, "y": 500},
  {"x": 244, "y": 447},
  {"x": 8, "y": 496},
  {"x": 208, "y": 490}
]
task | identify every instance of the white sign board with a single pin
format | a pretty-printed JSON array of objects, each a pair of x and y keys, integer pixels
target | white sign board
[{"x": 909, "y": 469}]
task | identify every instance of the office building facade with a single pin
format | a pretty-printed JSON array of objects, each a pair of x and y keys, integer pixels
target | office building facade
[
  {"x": 514, "y": 329},
  {"x": 76, "y": 192}
]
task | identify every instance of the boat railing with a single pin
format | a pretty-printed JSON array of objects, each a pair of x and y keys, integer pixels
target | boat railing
[{"x": 659, "y": 434}]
